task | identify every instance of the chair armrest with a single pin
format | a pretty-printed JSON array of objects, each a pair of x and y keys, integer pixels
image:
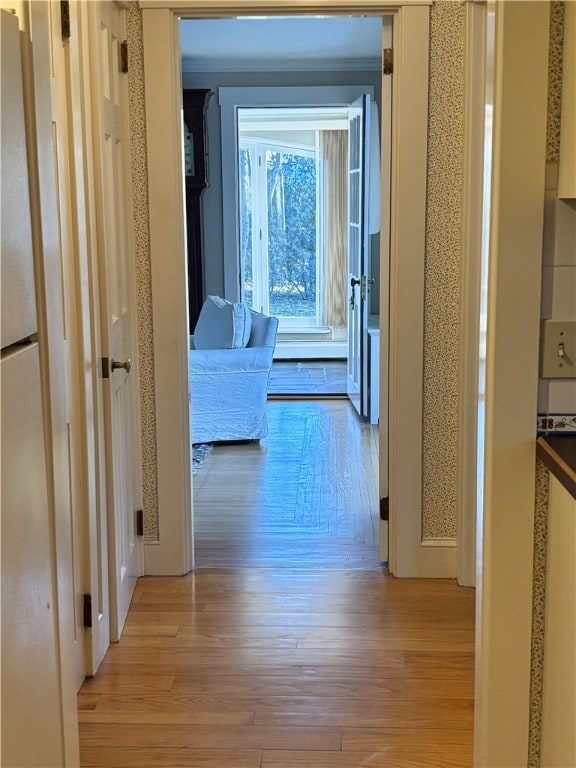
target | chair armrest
[{"x": 247, "y": 359}]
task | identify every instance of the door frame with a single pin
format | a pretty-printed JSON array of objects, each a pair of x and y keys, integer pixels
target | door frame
[
  {"x": 516, "y": 85},
  {"x": 230, "y": 98},
  {"x": 173, "y": 552},
  {"x": 472, "y": 279}
]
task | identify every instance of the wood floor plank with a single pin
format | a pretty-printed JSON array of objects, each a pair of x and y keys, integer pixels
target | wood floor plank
[
  {"x": 182, "y": 641},
  {"x": 456, "y": 714},
  {"x": 433, "y": 740},
  {"x": 88, "y": 701},
  {"x": 104, "y": 682},
  {"x": 192, "y": 667},
  {"x": 156, "y": 717},
  {"x": 388, "y": 644},
  {"x": 144, "y": 757},
  {"x": 244, "y": 685},
  {"x": 210, "y": 737},
  {"x": 405, "y": 672},
  {"x": 151, "y": 630},
  {"x": 388, "y": 758},
  {"x": 263, "y": 659}
]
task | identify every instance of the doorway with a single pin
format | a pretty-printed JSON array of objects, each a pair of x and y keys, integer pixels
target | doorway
[
  {"x": 293, "y": 202},
  {"x": 172, "y": 551},
  {"x": 295, "y": 186},
  {"x": 292, "y": 215}
]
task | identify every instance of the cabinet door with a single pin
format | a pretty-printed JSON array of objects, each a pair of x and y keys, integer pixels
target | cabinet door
[
  {"x": 31, "y": 722},
  {"x": 18, "y": 301}
]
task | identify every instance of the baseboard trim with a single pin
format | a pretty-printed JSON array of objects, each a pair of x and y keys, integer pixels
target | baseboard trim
[
  {"x": 438, "y": 558},
  {"x": 298, "y": 350},
  {"x": 306, "y": 396},
  {"x": 159, "y": 561}
]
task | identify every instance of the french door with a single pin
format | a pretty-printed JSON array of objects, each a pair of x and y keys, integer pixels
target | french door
[
  {"x": 279, "y": 254},
  {"x": 358, "y": 251}
]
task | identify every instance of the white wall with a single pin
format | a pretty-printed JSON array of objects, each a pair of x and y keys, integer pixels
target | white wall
[{"x": 558, "y": 396}]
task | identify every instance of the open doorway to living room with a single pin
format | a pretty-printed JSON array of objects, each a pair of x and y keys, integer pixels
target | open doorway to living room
[{"x": 299, "y": 241}]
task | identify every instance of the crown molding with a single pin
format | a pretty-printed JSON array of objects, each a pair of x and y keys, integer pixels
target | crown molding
[
  {"x": 224, "y": 8},
  {"x": 229, "y": 64}
]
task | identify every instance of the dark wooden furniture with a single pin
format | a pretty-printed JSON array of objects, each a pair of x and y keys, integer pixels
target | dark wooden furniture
[{"x": 195, "y": 105}]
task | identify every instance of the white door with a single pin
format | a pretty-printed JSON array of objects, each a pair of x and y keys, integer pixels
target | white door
[
  {"x": 71, "y": 111},
  {"x": 117, "y": 303},
  {"x": 358, "y": 248},
  {"x": 30, "y": 675},
  {"x": 62, "y": 149},
  {"x": 383, "y": 356}
]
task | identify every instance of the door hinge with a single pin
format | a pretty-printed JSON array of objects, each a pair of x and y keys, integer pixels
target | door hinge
[
  {"x": 139, "y": 522},
  {"x": 105, "y": 368},
  {"x": 385, "y": 509},
  {"x": 388, "y": 61},
  {"x": 124, "y": 56},
  {"x": 88, "y": 611},
  {"x": 65, "y": 18}
]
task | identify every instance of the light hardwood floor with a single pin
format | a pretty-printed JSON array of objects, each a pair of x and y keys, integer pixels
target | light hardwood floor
[
  {"x": 262, "y": 667},
  {"x": 306, "y": 495},
  {"x": 300, "y": 664},
  {"x": 316, "y": 377}
]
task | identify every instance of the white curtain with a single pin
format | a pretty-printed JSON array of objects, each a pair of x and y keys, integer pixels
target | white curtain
[{"x": 334, "y": 156}]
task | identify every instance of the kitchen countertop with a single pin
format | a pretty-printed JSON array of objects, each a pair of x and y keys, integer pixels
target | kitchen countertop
[{"x": 558, "y": 452}]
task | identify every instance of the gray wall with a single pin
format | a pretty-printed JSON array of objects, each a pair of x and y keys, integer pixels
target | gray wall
[{"x": 212, "y": 198}]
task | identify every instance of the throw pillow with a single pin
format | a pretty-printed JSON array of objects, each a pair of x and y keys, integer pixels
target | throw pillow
[{"x": 222, "y": 325}]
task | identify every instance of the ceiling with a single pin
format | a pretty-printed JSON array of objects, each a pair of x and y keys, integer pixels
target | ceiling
[{"x": 287, "y": 43}]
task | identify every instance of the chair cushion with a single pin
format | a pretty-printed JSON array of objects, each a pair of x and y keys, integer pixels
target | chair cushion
[{"x": 222, "y": 325}]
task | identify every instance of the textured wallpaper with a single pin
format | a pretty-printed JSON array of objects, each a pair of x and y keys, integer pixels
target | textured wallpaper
[
  {"x": 143, "y": 270},
  {"x": 538, "y": 613},
  {"x": 555, "y": 62},
  {"x": 443, "y": 263}
]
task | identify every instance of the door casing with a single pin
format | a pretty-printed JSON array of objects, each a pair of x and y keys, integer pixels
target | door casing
[{"x": 172, "y": 553}]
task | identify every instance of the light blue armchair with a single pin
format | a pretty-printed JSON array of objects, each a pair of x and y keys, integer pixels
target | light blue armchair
[{"x": 228, "y": 387}]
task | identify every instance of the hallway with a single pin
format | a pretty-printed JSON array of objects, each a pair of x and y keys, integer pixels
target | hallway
[
  {"x": 286, "y": 668},
  {"x": 289, "y": 646}
]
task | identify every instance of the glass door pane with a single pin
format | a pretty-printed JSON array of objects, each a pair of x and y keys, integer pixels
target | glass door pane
[
  {"x": 246, "y": 164},
  {"x": 291, "y": 224}
]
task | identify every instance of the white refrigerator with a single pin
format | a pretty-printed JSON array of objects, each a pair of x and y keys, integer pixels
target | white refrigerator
[{"x": 30, "y": 725}]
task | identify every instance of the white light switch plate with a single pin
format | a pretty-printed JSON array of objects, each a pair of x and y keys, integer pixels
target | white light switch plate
[{"x": 558, "y": 349}]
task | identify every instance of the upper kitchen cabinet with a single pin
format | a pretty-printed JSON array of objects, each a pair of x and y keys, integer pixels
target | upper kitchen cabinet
[{"x": 567, "y": 169}]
